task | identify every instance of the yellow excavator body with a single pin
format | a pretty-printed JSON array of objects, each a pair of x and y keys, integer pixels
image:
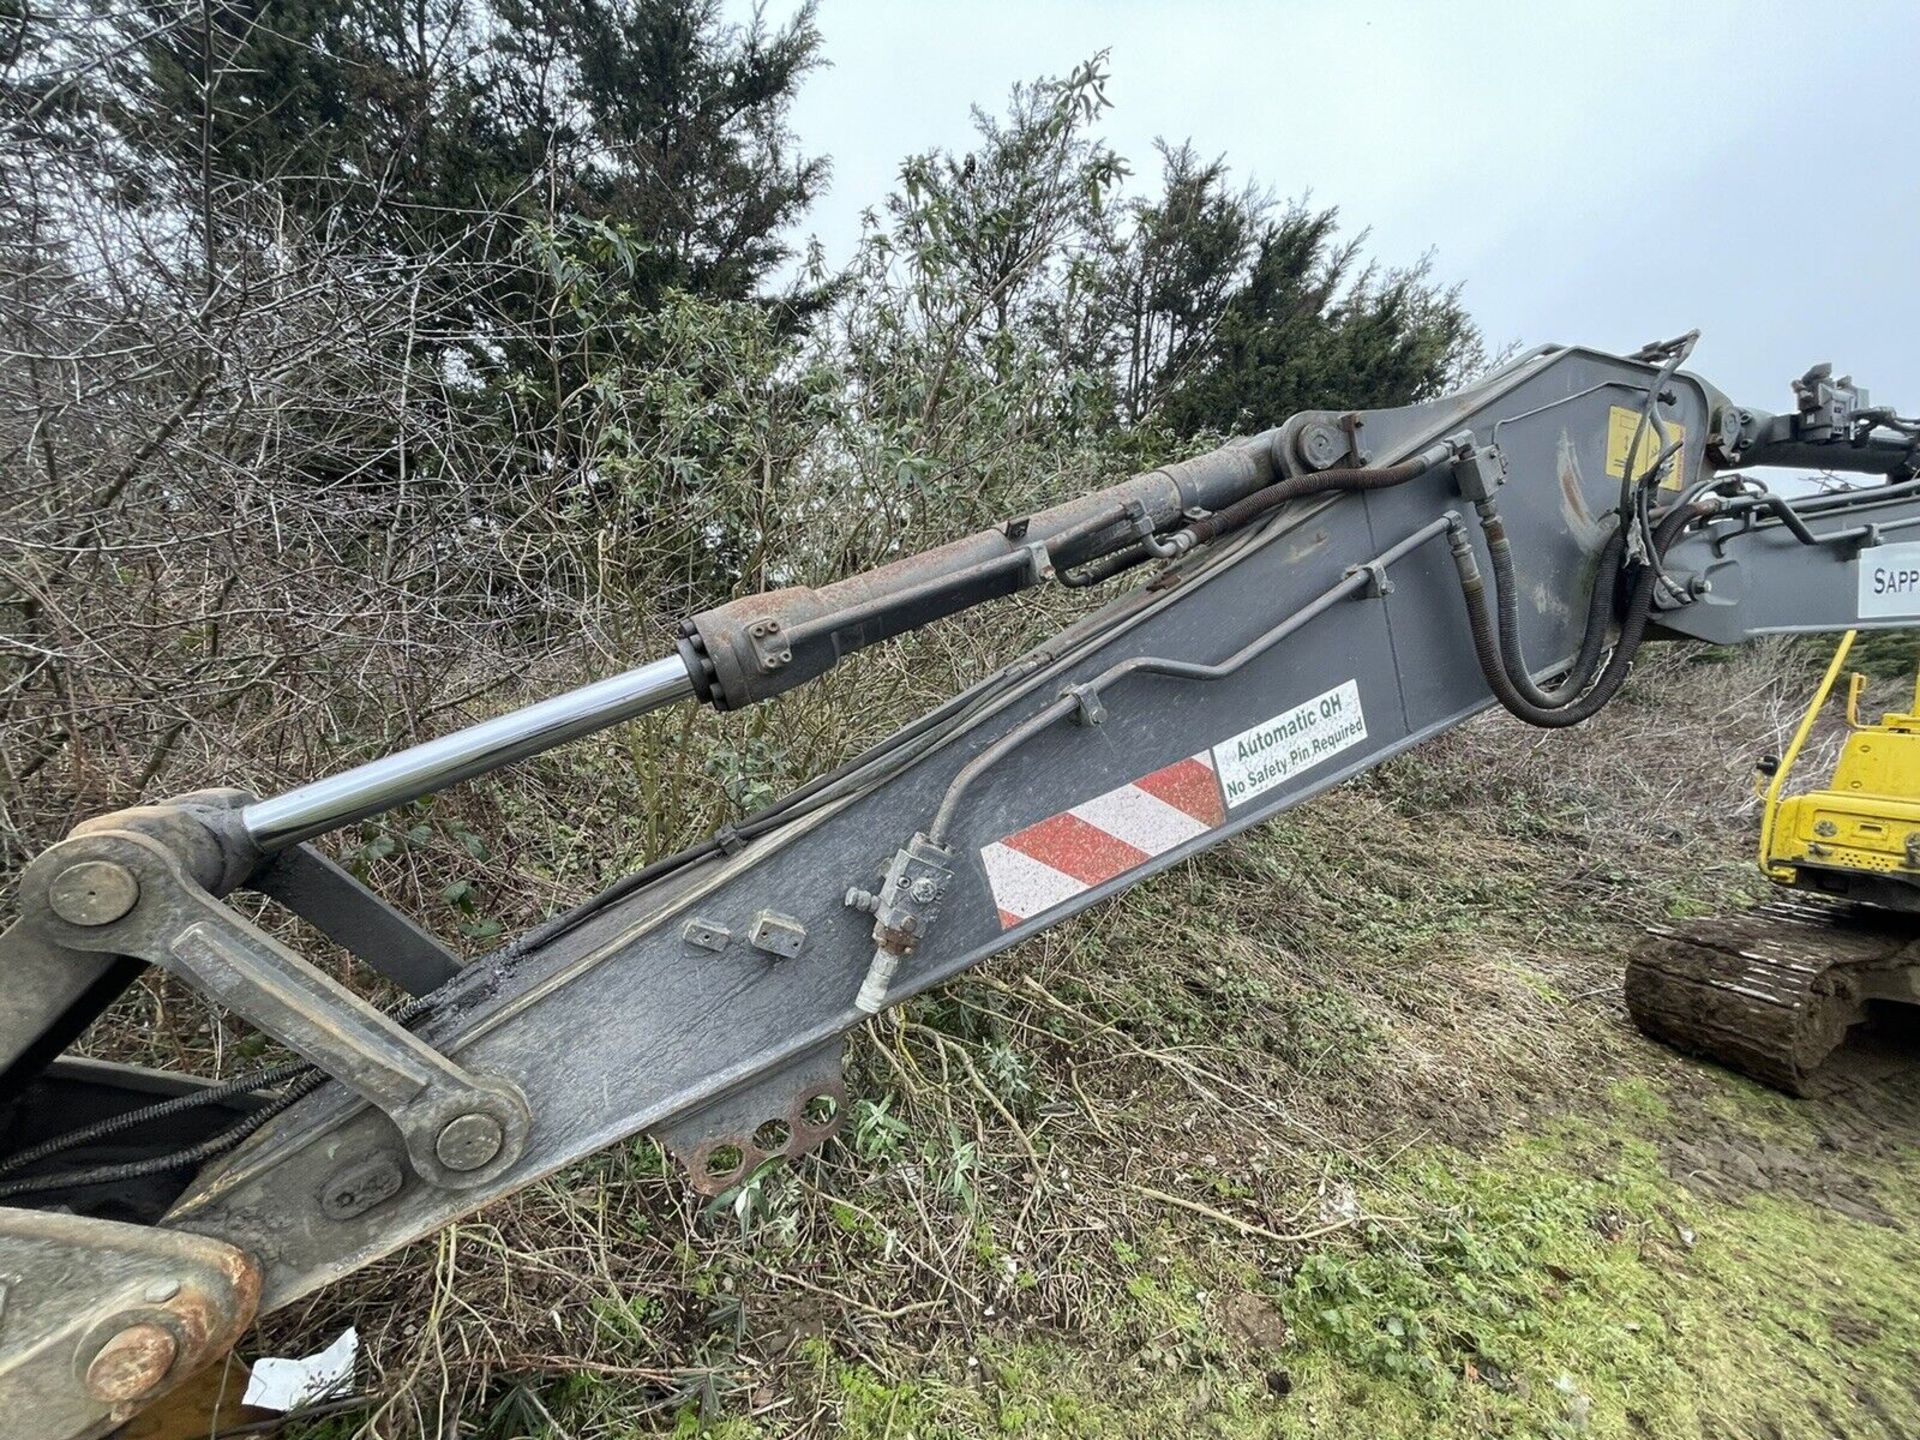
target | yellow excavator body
[{"x": 1859, "y": 836}]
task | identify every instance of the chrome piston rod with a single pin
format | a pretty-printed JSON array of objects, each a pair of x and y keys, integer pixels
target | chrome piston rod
[{"x": 421, "y": 770}]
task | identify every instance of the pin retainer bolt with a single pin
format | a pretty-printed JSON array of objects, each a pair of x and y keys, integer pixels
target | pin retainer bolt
[
  {"x": 469, "y": 1141},
  {"x": 132, "y": 1363},
  {"x": 93, "y": 892}
]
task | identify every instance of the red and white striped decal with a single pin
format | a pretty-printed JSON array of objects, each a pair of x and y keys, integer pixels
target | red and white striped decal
[{"x": 1044, "y": 865}]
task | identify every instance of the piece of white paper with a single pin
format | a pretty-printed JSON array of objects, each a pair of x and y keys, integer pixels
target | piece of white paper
[{"x": 280, "y": 1384}]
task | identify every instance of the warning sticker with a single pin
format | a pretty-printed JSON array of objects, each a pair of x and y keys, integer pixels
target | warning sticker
[
  {"x": 1045, "y": 865},
  {"x": 1291, "y": 743},
  {"x": 1621, "y": 423},
  {"x": 1889, "y": 581}
]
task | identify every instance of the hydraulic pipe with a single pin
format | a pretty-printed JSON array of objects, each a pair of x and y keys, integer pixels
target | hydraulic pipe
[{"x": 423, "y": 769}]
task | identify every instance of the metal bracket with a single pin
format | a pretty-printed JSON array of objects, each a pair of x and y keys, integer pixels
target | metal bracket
[
  {"x": 780, "y": 936},
  {"x": 97, "y": 1318},
  {"x": 1088, "y": 709},
  {"x": 1039, "y": 562},
  {"x": 787, "y": 1113},
  {"x": 771, "y": 647},
  {"x": 117, "y": 892},
  {"x": 1869, "y": 538},
  {"x": 706, "y": 934},
  {"x": 1352, "y": 423},
  {"x": 1378, "y": 585}
]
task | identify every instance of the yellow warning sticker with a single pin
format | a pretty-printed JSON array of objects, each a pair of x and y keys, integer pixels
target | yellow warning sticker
[{"x": 1621, "y": 423}]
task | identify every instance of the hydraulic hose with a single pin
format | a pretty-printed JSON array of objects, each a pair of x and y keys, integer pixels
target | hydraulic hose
[
  {"x": 1106, "y": 567},
  {"x": 1633, "y": 628},
  {"x": 1593, "y": 640},
  {"x": 208, "y": 1149},
  {"x": 1245, "y": 511}
]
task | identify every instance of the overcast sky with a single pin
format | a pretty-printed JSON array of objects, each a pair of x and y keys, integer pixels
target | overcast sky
[{"x": 1603, "y": 174}]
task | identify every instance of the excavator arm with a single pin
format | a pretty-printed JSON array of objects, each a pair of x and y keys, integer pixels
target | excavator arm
[{"x": 1316, "y": 600}]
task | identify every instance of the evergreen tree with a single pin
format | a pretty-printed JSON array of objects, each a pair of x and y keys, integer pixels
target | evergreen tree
[
  {"x": 1310, "y": 326},
  {"x": 418, "y": 126},
  {"x": 658, "y": 116}
]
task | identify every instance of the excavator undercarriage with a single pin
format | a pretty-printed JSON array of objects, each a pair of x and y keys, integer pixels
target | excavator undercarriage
[
  {"x": 1316, "y": 600},
  {"x": 1774, "y": 992}
]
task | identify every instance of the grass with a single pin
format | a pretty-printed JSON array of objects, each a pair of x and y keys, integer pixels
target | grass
[
  {"x": 1567, "y": 1284},
  {"x": 1561, "y": 1284},
  {"x": 1358, "y": 1143}
]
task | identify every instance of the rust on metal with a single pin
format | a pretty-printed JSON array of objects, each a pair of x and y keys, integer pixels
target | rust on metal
[
  {"x": 895, "y": 941},
  {"x": 132, "y": 1364},
  {"x": 104, "y": 1317},
  {"x": 212, "y": 1319},
  {"x": 791, "y": 1113},
  {"x": 813, "y": 1115}
]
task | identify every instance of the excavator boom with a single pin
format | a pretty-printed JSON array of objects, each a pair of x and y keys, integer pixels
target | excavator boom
[{"x": 1321, "y": 597}]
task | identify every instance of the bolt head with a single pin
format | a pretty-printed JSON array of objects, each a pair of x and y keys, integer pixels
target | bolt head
[
  {"x": 924, "y": 890},
  {"x": 132, "y": 1363},
  {"x": 1320, "y": 445},
  {"x": 94, "y": 892},
  {"x": 469, "y": 1141}
]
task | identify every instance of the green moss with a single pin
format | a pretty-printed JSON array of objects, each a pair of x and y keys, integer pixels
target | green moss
[
  {"x": 869, "y": 1405},
  {"x": 1049, "y": 1391},
  {"x": 1538, "y": 984},
  {"x": 1638, "y": 1100},
  {"x": 1567, "y": 1284},
  {"x": 689, "y": 1424}
]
